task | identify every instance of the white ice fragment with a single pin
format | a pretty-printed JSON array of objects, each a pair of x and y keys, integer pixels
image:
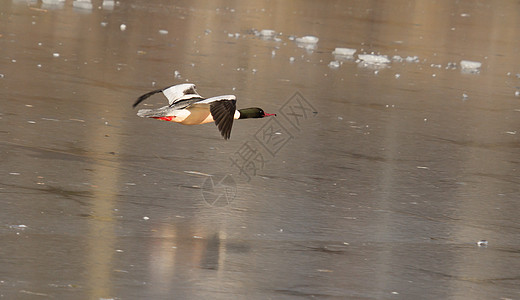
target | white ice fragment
[
  {"x": 308, "y": 39},
  {"x": 56, "y": 54},
  {"x": 108, "y": 4},
  {"x": 482, "y": 243},
  {"x": 104, "y": 24},
  {"x": 2, "y": 75},
  {"x": 464, "y": 15},
  {"x": 14, "y": 173},
  {"x": 82, "y": 4},
  {"x": 397, "y": 58},
  {"x": 374, "y": 59},
  {"x": 21, "y": 226},
  {"x": 334, "y": 64},
  {"x": 267, "y": 33},
  {"x": 291, "y": 59},
  {"x": 163, "y": 31},
  {"x": 53, "y": 2},
  {"x": 468, "y": 66},
  {"x": 344, "y": 51},
  {"x": 517, "y": 93},
  {"x": 273, "y": 53},
  {"x": 414, "y": 59},
  {"x": 146, "y": 218},
  {"x": 122, "y": 27},
  {"x": 397, "y": 75},
  {"x": 451, "y": 66},
  {"x": 176, "y": 74}
]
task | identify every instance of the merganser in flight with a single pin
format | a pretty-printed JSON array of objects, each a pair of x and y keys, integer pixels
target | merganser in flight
[{"x": 187, "y": 107}]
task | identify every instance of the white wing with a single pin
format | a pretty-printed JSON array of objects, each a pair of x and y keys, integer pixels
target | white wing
[
  {"x": 217, "y": 98},
  {"x": 180, "y": 92}
]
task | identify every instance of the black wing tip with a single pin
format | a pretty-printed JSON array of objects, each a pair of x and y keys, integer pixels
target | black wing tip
[{"x": 145, "y": 96}]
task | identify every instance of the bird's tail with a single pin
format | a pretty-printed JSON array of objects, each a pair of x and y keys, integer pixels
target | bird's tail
[{"x": 145, "y": 96}]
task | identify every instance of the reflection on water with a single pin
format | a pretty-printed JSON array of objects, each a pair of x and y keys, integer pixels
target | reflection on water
[{"x": 383, "y": 194}]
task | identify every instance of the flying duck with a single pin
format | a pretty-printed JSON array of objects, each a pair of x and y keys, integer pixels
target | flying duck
[{"x": 187, "y": 107}]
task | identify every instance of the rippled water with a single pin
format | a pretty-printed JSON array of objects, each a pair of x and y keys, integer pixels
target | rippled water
[{"x": 373, "y": 182}]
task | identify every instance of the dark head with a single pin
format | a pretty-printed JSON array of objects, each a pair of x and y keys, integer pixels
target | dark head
[{"x": 253, "y": 112}]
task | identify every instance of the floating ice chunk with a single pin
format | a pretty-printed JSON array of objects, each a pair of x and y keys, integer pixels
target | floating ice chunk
[
  {"x": 291, "y": 59},
  {"x": 397, "y": 58},
  {"x": 482, "y": 243},
  {"x": 52, "y": 1},
  {"x": 414, "y": 59},
  {"x": 517, "y": 93},
  {"x": 21, "y": 226},
  {"x": 82, "y": 4},
  {"x": 468, "y": 66},
  {"x": 122, "y": 27},
  {"x": 56, "y": 54},
  {"x": 308, "y": 39},
  {"x": 374, "y": 59},
  {"x": 163, "y": 31},
  {"x": 108, "y": 4},
  {"x": 451, "y": 65},
  {"x": 309, "y": 43},
  {"x": 176, "y": 74},
  {"x": 104, "y": 24},
  {"x": 267, "y": 33},
  {"x": 397, "y": 75},
  {"x": 344, "y": 51},
  {"x": 334, "y": 64}
]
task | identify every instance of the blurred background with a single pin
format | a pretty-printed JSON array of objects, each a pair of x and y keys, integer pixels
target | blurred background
[{"x": 389, "y": 176}]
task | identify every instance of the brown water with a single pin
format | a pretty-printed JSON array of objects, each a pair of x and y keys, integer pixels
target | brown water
[{"x": 381, "y": 194}]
